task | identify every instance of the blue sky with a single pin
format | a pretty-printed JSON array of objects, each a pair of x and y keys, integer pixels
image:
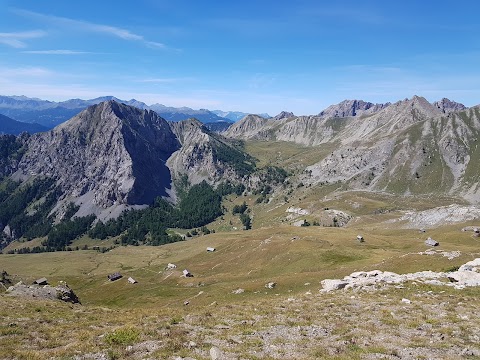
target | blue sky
[{"x": 252, "y": 56}]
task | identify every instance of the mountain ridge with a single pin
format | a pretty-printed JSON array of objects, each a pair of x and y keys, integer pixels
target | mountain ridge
[
  {"x": 12, "y": 126},
  {"x": 313, "y": 130},
  {"x": 95, "y": 156},
  {"x": 113, "y": 156},
  {"x": 411, "y": 146}
]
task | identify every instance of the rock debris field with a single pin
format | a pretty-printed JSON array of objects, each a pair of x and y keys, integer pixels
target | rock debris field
[{"x": 467, "y": 275}]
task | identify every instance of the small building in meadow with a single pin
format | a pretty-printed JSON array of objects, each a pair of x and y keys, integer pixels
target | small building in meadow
[
  {"x": 210, "y": 249},
  {"x": 114, "y": 276},
  {"x": 187, "y": 273},
  {"x": 360, "y": 238},
  {"x": 132, "y": 280}
]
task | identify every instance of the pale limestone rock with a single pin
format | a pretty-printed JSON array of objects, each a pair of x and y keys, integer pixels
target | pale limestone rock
[
  {"x": 467, "y": 275},
  {"x": 216, "y": 353}
]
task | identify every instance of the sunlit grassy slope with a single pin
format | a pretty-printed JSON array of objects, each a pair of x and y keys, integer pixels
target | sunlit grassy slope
[{"x": 290, "y": 256}]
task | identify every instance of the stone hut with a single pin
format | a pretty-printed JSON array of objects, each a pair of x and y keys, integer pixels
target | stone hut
[{"x": 114, "y": 276}]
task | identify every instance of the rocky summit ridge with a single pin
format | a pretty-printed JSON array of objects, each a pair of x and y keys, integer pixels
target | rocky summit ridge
[
  {"x": 352, "y": 108},
  {"x": 109, "y": 154},
  {"x": 408, "y": 147},
  {"x": 326, "y": 126}
]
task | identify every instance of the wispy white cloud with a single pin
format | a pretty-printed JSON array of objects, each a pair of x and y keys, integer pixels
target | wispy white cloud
[
  {"x": 56, "y": 52},
  {"x": 24, "y": 72},
  {"x": 164, "y": 80},
  {"x": 257, "y": 62},
  {"x": 371, "y": 69},
  {"x": 261, "y": 80},
  {"x": 17, "y": 39},
  {"x": 91, "y": 27}
]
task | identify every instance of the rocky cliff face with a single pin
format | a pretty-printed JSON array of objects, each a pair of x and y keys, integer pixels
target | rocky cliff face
[
  {"x": 447, "y": 106},
  {"x": 194, "y": 158},
  {"x": 11, "y": 151},
  {"x": 112, "y": 156},
  {"x": 352, "y": 108},
  {"x": 109, "y": 154},
  {"x": 204, "y": 155},
  {"x": 409, "y": 148}
]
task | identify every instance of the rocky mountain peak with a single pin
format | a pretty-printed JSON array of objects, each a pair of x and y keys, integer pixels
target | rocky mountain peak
[
  {"x": 110, "y": 154},
  {"x": 284, "y": 115},
  {"x": 190, "y": 130},
  {"x": 352, "y": 108},
  {"x": 192, "y": 122},
  {"x": 420, "y": 104},
  {"x": 448, "y": 106},
  {"x": 249, "y": 124}
]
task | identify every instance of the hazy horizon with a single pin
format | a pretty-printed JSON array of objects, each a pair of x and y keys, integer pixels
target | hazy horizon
[{"x": 253, "y": 57}]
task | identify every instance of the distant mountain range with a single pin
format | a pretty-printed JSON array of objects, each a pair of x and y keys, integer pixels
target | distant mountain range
[
  {"x": 235, "y": 115},
  {"x": 10, "y": 126},
  {"x": 51, "y": 113}
]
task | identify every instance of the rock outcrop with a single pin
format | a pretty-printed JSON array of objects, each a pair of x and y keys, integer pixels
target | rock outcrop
[
  {"x": 447, "y": 106},
  {"x": 352, "y": 108},
  {"x": 467, "y": 275},
  {"x": 60, "y": 292}
]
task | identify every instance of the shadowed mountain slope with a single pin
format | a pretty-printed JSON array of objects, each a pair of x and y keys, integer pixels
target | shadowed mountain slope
[{"x": 108, "y": 154}]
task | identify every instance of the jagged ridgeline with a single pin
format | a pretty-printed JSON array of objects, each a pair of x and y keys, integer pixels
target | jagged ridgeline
[
  {"x": 115, "y": 170},
  {"x": 408, "y": 147}
]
